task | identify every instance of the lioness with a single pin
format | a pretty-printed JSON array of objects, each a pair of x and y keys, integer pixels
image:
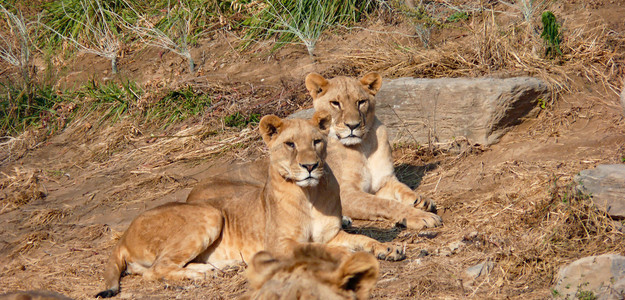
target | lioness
[
  {"x": 33, "y": 295},
  {"x": 299, "y": 203},
  {"x": 312, "y": 273},
  {"x": 359, "y": 154}
]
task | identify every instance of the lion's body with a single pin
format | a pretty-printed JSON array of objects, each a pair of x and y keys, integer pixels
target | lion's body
[
  {"x": 360, "y": 155},
  {"x": 312, "y": 273},
  {"x": 229, "y": 218}
]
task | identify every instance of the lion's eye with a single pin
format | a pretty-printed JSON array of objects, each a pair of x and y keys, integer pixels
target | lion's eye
[
  {"x": 290, "y": 144},
  {"x": 336, "y": 104},
  {"x": 316, "y": 142},
  {"x": 362, "y": 102}
]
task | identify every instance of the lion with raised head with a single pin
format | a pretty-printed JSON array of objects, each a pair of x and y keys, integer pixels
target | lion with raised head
[
  {"x": 359, "y": 154},
  {"x": 313, "y": 273},
  {"x": 299, "y": 203}
]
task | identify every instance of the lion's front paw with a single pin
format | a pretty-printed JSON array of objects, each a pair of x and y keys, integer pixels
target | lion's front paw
[
  {"x": 390, "y": 251},
  {"x": 425, "y": 203},
  {"x": 420, "y": 220}
]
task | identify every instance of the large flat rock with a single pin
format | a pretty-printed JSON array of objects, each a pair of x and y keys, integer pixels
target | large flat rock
[
  {"x": 441, "y": 110},
  {"x": 606, "y": 186},
  {"x": 599, "y": 276}
]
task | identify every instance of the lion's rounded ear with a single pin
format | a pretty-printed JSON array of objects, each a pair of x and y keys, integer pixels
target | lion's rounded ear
[
  {"x": 269, "y": 127},
  {"x": 322, "y": 120},
  {"x": 261, "y": 268},
  {"x": 372, "y": 82},
  {"x": 315, "y": 84},
  {"x": 359, "y": 273}
]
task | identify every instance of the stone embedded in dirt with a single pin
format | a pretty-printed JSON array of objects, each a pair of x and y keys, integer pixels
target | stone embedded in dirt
[
  {"x": 442, "y": 110},
  {"x": 600, "y": 276},
  {"x": 479, "y": 269},
  {"x": 606, "y": 186},
  {"x": 450, "y": 249}
]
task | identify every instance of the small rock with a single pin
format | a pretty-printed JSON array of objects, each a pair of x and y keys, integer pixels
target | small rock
[
  {"x": 470, "y": 237},
  {"x": 602, "y": 276},
  {"x": 606, "y": 186},
  {"x": 451, "y": 249},
  {"x": 423, "y": 253},
  {"x": 479, "y": 269},
  {"x": 428, "y": 234}
]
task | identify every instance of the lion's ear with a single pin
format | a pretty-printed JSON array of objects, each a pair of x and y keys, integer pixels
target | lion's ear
[
  {"x": 372, "y": 82},
  {"x": 359, "y": 273},
  {"x": 270, "y": 126},
  {"x": 322, "y": 120},
  {"x": 315, "y": 84},
  {"x": 261, "y": 268}
]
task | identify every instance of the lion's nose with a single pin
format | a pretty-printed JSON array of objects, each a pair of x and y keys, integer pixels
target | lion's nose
[
  {"x": 310, "y": 167},
  {"x": 353, "y": 126}
]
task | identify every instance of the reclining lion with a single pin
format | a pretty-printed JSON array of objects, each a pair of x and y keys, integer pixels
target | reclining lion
[
  {"x": 298, "y": 204},
  {"x": 359, "y": 154},
  {"x": 312, "y": 273}
]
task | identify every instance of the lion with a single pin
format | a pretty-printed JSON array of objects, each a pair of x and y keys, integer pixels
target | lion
[
  {"x": 299, "y": 203},
  {"x": 359, "y": 154},
  {"x": 33, "y": 295},
  {"x": 312, "y": 273}
]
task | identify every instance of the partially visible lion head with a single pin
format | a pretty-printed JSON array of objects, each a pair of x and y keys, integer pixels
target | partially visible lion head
[
  {"x": 297, "y": 147},
  {"x": 312, "y": 273},
  {"x": 350, "y": 101}
]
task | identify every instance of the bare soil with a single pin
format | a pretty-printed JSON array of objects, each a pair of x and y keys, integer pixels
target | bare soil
[{"x": 67, "y": 198}]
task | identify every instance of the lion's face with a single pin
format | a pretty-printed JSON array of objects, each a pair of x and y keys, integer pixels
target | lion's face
[
  {"x": 297, "y": 148},
  {"x": 350, "y": 102},
  {"x": 312, "y": 273}
]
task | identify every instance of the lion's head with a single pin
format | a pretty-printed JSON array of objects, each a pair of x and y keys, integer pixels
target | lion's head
[
  {"x": 350, "y": 102},
  {"x": 297, "y": 147},
  {"x": 312, "y": 273}
]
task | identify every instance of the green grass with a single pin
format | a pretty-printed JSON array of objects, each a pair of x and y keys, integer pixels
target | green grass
[
  {"x": 240, "y": 120},
  {"x": 115, "y": 99},
  {"x": 303, "y": 20},
  {"x": 20, "y": 109},
  {"x": 178, "y": 105},
  {"x": 72, "y": 18},
  {"x": 551, "y": 34}
]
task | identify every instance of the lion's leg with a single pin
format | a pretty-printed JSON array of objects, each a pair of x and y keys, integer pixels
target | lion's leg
[
  {"x": 192, "y": 239},
  {"x": 356, "y": 242},
  {"x": 395, "y": 189},
  {"x": 360, "y": 205}
]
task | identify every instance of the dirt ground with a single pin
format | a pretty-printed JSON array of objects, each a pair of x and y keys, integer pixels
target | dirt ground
[{"x": 67, "y": 198}]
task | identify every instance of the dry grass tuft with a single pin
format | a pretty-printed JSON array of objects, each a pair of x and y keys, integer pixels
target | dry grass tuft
[
  {"x": 45, "y": 217},
  {"x": 20, "y": 188},
  {"x": 29, "y": 242},
  {"x": 562, "y": 228}
]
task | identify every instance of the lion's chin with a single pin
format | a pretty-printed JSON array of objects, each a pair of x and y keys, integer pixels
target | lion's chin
[
  {"x": 308, "y": 182},
  {"x": 351, "y": 140}
]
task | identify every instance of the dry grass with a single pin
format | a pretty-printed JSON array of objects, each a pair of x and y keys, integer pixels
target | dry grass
[
  {"x": 492, "y": 44},
  {"x": 19, "y": 188}
]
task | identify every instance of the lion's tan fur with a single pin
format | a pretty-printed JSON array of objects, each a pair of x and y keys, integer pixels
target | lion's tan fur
[
  {"x": 228, "y": 219},
  {"x": 359, "y": 153},
  {"x": 312, "y": 273},
  {"x": 33, "y": 295}
]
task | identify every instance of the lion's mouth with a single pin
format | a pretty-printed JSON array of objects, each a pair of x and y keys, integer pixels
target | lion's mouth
[{"x": 308, "y": 181}]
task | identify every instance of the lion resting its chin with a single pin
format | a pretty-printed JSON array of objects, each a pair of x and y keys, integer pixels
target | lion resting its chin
[
  {"x": 313, "y": 273},
  {"x": 359, "y": 154},
  {"x": 222, "y": 224}
]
